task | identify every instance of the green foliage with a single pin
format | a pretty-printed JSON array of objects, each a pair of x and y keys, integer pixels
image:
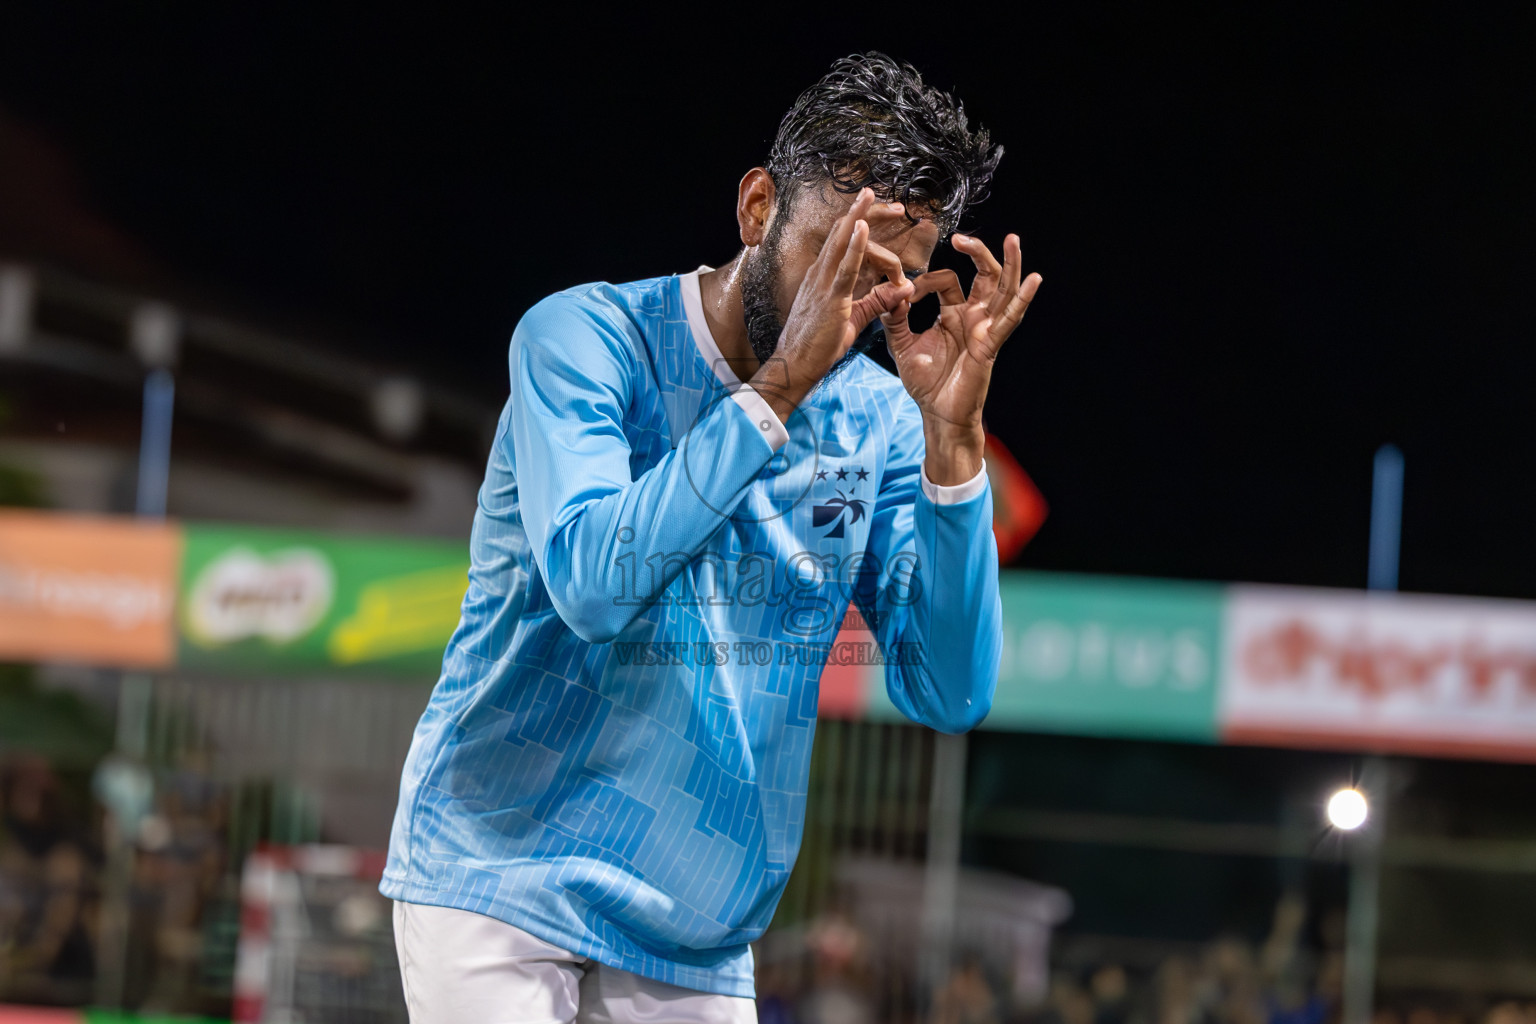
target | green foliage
[
  {"x": 18, "y": 487},
  {"x": 58, "y": 726}
]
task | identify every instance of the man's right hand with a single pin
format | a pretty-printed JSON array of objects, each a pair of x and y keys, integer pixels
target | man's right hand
[{"x": 825, "y": 318}]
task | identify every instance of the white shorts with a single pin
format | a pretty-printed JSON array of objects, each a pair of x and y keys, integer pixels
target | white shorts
[{"x": 460, "y": 967}]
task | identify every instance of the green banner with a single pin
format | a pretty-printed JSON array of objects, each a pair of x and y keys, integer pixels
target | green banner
[
  {"x": 1111, "y": 657},
  {"x": 1101, "y": 656},
  {"x": 291, "y": 602}
]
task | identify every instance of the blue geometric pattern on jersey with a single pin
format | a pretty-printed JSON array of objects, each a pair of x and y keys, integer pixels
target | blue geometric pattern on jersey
[{"x": 604, "y": 762}]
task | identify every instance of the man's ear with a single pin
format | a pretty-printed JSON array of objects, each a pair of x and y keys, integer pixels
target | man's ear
[{"x": 754, "y": 205}]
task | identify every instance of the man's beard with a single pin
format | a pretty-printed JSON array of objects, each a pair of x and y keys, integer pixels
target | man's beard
[{"x": 761, "y": 272}]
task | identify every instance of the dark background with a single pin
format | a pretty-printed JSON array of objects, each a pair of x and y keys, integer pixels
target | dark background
[{"x": 1272, "y": 240}]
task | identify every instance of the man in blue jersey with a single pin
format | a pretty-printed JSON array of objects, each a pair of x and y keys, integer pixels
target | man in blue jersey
[{"x": 693, "y": 479}]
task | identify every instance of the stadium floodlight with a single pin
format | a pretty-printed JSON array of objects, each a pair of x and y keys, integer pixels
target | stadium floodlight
[
  {"x": 17, "y": 289},
  {"x": 154, "y": 335},
  {"x": 16, "y": 307},
  {"x": 399, "y": 407},
  {"x": 1347, "y": 809}
]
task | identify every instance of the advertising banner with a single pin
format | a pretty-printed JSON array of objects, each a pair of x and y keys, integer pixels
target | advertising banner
[
  {"x": 1398, "y": 672},
  {"x": 89, "y": 590},
  {"x": 1101, "y": 656},
  {"x": 1109, "y": 657},
  {"x": 285, "y": 601}
]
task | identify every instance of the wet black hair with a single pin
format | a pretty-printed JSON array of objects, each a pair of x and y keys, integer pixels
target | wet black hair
[{"x": 871, "y": 121}]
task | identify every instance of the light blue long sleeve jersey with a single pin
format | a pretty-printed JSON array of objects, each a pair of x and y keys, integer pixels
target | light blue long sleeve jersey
[{"x": 615, "y": 758}]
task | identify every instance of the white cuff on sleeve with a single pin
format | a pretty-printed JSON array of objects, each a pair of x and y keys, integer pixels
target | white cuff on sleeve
[
  {"x": 954, "y": 494},
  {"x": 762, "y": 415}
]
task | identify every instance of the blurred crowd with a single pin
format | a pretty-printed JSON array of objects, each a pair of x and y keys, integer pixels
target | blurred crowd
[
  {"x": 174, "y": 949},
  {"x": 49, "y": 890},
  {"x": 1227, "y": 981},
  {"x": 56, "y": 870}
]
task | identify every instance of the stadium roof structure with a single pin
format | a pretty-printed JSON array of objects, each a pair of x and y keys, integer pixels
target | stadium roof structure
[
  {"x": 250, "y": 406},
  {"x": 269, "y": 426}
]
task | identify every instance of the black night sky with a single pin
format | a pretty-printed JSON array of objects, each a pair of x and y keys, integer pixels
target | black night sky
[{"x": 1272, "y": 239}]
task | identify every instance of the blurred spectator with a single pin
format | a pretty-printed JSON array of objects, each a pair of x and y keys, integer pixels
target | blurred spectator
[
  {"x": 775, "y": 995},
  {"x": 839, "y": 992},
  {"x": 1175, "y": 995},
  {"x": 967, "y": 997},
  {"x": 46, "y": 947},
  {"x": 1067, "y": 1003},
  {"x": 1284, "y": 943},
  {"x": 180, "y": 865},
  {"x": 1111, "y": 995},
  {"x": 1503, "y": 1013},
  {"x": 1232, "y": 993}
]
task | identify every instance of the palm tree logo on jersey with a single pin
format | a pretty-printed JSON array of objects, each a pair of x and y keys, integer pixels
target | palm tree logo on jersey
[{"x": 839, "y": 510}]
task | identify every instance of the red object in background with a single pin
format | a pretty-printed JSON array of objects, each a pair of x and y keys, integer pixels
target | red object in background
[
  {"x": 1018, "y": 507},
  {"x": 844, "y": 690},
  {"x": 1018, "y": 510},
  {"x": 38, "y": 1015},
  {"x": 304, "y": 883}
]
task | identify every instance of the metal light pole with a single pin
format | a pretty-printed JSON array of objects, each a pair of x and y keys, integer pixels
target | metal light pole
[
  {"x": 155, "y": 444},
  {"x": 1375, "y": 778},
  {"x": 1386, "y": 518},
  {"x": 154, "y": 335},
  {"x": 941, "y": 878}
]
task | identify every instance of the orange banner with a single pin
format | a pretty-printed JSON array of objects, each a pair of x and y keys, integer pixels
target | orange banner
[{"x": 87, "y": 590}]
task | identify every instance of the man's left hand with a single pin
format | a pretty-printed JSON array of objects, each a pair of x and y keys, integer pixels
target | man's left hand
[{"x": 948, "y": 367}]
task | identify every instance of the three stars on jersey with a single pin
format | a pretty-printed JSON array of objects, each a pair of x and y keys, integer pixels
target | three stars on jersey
[{"x": 842, "y": 474}]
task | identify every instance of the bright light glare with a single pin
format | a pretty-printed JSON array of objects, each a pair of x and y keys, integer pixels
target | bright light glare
[{"x": 1347, "y": 809}]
